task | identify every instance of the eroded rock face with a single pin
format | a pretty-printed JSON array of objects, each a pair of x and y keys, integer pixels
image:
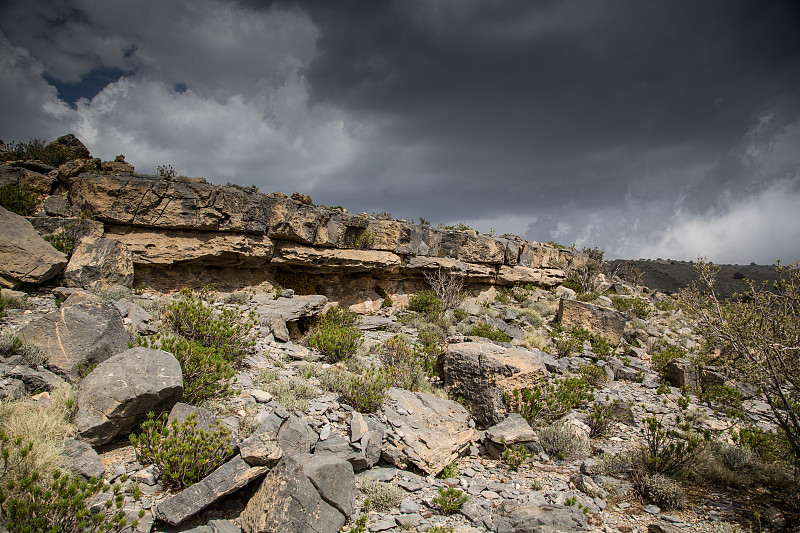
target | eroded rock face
[
  {"x": 99, "y": 260},
  {"x": 118, "y": 394},
  {"x": 427, "y": 431},
  {"x": 83, "y": 331},
  {"x": 334, "y": 260},
  {"x": 481, "y": 373},
  {"x": 598, "y": 320},
  {"x": 169, "y": 247},
  {"x": 24, "y": 256}
]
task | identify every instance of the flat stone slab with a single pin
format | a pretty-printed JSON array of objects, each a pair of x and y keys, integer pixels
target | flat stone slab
[{"x": 226, "y": 479}]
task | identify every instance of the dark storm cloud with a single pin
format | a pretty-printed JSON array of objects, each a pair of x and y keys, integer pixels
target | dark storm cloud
[
  {"x": 572, "y": 98},
  {"x": 647, "y": 128}
]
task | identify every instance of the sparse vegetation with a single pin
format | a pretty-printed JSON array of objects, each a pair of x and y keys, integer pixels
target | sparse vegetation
[
  {"x": 450, "y": 500},
  {"x": 488, "y": 331},
  {"x": 380, "y": 496},
  {"x": 550, "y": 401}
]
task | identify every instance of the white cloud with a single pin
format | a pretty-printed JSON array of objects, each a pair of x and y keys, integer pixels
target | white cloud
[
  {"x": 29, "y": 106},
  {"x": 737, "y": 231}
]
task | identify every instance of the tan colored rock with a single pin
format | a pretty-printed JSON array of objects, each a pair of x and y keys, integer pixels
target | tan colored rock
[
  {"x": 76, "y": 167},
  {"x": 431, "y": 431},
  {"x": 167, "y": 247},
  {"x": 475, "y": 273},
  {"x": 471, "y": 247},
  {"x": 598, "y": 320},
  {"x": 166, "y": 204},
  {"x": 38, "y": 182},
  {"x": 481, "y": 373},
  {"x": 117, "y": 167},
  {"x": 546, "y": 277},
  {"x": 331, "y": 260},
  {"x": 24, "y": 256},
  {"x": 98, "y": 259},
  {"x": 302, "y": 198},
  {"x": 385, "y": 234}
]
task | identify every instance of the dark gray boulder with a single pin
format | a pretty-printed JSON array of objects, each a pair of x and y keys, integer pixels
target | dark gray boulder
[
  {"x": 302, "y": 493},
  {"x": 82, "y": 459},
  {"x": 82, "y": 332},
  {"x": 117, "y": 395}
]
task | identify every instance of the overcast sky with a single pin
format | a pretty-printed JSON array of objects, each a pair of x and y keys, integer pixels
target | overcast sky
[{"x": 648, "y": 128}]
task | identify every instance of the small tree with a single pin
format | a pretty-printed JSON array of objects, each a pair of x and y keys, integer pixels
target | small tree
[
  {"x": 447, "y": 286},
  {"x": 760, "y": 335},
  {"x": 585, "y": 273}
]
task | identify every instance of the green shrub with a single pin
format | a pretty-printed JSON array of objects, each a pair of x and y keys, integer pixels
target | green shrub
[
  {"x": 206, "y": 370},
  {"x": 601, "y": 418},
  {"x": 336, "y": 335},
  {"x": 449, "y": 471},
  {"x": 489, "y": 332},
  {"x": 551, "y": 400},
  {"x": 37, "y": 149},
  {"x": 227, "y": 331},
  {"x": 450, "y": 500},
  {"x": 593, "y": 375},
  {"x": 19, "y": 199},
  {"x": 562, "y": 442},
  {"x": 426, "y": 302},
  {"x": 660, "y": 490},
  {"x": 769, "y": 446},
  {"x": 574, "y": 285},
  {"x": 364, "y": 393},
  {"x": 668, "y": 451},
  {"x": 514, "y": 457},
  {"x": 31, "y": 503},
  {"x": 662, "y": 354},
  {"x": 364, "y": 240},
  {"x": 405, "y": 365},
  {"x": 639, "y": 307},
  {"x": 183, "y": 453}
]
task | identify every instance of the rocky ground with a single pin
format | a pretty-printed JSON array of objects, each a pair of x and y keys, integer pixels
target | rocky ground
[{"x": 398, "y": 451}]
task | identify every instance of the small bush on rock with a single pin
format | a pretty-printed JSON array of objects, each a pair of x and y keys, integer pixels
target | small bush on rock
[
  {"x": 490, "y": 332},
  {"x": 426, "y": 302},
  {"x": 551, "y": 400},
  {"x": 662, "y": 354},
  {"x": 593, "y": 375},
  {"x": 602, "y": 418},
  {"x": 660, "y": 490},
  {"x": 380, "y": 496},
  {"x": 19, "y": 199},
  {"x": 450, "y": 500},
  {"x": 183, "y": 453},
  {"x": 562, "y": 442},
  {"x": 336, "y": 335},
  {"x": 365, "y": 393},
  {"x": 514, "y": 457},
  {"x": 668, "y": 451}
]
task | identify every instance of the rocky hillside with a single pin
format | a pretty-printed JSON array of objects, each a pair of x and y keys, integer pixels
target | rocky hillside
[{"x": 348, "y": 373}]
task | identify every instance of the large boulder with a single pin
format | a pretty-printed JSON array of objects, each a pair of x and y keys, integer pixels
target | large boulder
[
  {"x": 427, "y": 431},
  {"x": 598, "y": 320},
  {"x": 482, "y": 373},
  {"x": 117, "y": 395},
  {"x": 546, "y": 277},
  {"x": 82, "y": 332},
  {"x": 24, "y": 256},
  {"x": 98, "y": 259},
  {"x": 512, "y": 432},
  {"x": 306, "y": 493}
]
